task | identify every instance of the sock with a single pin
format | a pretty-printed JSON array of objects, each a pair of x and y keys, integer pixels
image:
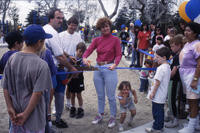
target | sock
[
  {"x": 81, "y": 107},
  {"x": 68, "y": 101}
]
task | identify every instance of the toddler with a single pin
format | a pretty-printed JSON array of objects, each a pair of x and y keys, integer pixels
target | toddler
[{"x": 125, "y": 97}]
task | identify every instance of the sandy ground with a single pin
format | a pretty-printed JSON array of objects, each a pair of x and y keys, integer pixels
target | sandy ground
[{"x": 90, "y": 105}]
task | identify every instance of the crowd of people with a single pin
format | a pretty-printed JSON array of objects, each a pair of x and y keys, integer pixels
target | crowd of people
[{"x": 29, "y": 90}]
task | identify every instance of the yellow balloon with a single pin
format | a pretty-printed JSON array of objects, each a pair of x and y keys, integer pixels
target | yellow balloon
[
  {"x": 182, "y": 12},
  {"x": 82, "y": 29}
]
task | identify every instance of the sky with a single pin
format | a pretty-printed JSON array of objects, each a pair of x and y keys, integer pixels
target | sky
[{"x": 25, "y": 7}]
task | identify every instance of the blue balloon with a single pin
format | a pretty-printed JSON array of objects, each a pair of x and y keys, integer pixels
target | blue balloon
[
  {"x": 138, "y": 23},
  {"x": 192, "y": 9},
  {"x": 123, "y": 26}
]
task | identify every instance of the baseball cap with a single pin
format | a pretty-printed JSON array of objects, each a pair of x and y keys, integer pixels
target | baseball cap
[{"x": 33, "y": 33}]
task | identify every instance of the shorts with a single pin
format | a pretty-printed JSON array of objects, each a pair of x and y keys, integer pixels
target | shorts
[
  {"x": 130, "y": 106},
  {"x": 76, "y": 85}
]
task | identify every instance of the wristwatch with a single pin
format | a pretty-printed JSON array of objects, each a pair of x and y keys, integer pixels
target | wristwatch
[{"x": 195, "y": 78}]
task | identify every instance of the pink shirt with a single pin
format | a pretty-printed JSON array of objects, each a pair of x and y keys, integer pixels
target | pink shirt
[{"x": 107, "y": 47}]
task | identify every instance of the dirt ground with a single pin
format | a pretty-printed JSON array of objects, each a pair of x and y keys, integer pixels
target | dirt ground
[{"x": 84, "y": 125}]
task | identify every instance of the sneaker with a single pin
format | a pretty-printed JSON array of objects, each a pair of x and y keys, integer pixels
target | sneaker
[
  {"x": 72, "y": 112},
  {"x": 151, "y": 130},
  {"x": 132, "y": 65},
  {"x": 172, "y": 124},
  {"x": 111, "y": 122},
  {"x": 80, "y": 113},
  {"x": 186, "y": 130},
  {"x": 97, "y": 119},
  {"x": 60, "y": 124},
  {"x": 121, "y": 128},
  {"x": 68, "y": 106}
]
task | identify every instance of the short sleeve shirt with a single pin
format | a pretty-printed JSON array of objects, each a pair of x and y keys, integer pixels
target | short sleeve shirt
[
  {"x": 24, "y": 74},
  {"x": 163, "y": 73},
  {"x": 53, "y": 44},
  {"x": 69, "y": 42},
  {"x": 5, "y": 58},
  {"x": 143, "y": 37}
]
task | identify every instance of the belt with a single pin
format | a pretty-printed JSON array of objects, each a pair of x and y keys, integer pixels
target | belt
[{"x": 104, "y": 63}]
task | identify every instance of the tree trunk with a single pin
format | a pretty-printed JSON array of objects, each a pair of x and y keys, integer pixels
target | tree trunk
[{"x": 105, "y": 12}]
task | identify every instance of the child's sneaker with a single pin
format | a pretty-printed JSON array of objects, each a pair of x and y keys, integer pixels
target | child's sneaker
[
  {"x": 68, "y": 106},
  {"x": 151, "y": 130},
  {"x": 80, "y": 113},
  {"x": 111, "y": 122},
  {"x": 97, "y": 119},
  {"x": 172, "y": 124},
  {"x": 72, "y": 112},
  {"x": 121, "y": 128}
]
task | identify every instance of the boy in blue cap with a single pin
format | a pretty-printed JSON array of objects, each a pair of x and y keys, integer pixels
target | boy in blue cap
[{"x": 25, "y": 80}]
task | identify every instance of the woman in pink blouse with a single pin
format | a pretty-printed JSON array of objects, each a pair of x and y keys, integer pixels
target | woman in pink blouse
[{"x": 105, "y": 80}]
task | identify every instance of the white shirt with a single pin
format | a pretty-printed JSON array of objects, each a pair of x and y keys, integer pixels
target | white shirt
[
  {"x": 53, "y": 43},
  {"x": 167, "y": 37},
  {"x": 156, "y": 47},
  {"x": 163, "y": 73},
  {"x": 69, "y": 41}
]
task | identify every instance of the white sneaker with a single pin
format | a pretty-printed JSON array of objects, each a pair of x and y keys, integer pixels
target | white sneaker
[
  {"x": 121, "y": 128},
  {"x": 186, "y": 130},
  {"x": 172, "y": 124},
  {"x": 151, "y": 130},
  {"x": 97, "y": 119},
  {"x": 111, "y": 122}
]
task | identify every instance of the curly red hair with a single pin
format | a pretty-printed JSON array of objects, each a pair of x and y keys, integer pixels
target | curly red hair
[{"x": 102, "y": 22}]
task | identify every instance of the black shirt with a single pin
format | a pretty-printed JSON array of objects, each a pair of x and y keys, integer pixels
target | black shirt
[
  {"x": 124, "y": 35},
  {"x": 175, "y": 62}
]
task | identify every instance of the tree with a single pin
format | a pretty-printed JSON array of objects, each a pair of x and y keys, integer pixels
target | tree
[
  {"x": 105, "y": 12},
  {"x": 33, "y": 18},
  {"x": 13, "y": 14},
  {"x": 152, "y": 10},
  {"x": 122, "y": 18},
  {"x": 86, "y": 8},
  {"x": 4, "y": 5},
  {"x": 43, "y": 6}
]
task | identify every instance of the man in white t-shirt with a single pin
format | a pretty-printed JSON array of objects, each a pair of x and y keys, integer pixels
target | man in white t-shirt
[
  {"x": 159, "y": 89},
  {"x": 55, "y": 21},
  {"x": 69, "y": 40}
]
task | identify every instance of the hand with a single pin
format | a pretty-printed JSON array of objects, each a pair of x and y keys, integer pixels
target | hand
[
  {"x": 135, "y": 100},
  {"x": 73, "y": 59},
  {"x": 86, "y": 62},
  {"x": 12, "y": 115},
  {"x": 194, "y": 83},
  {"x": 151, "y": 96},
  {"x": 21, "y": 119},
  {"x": 112, "y": 67}
]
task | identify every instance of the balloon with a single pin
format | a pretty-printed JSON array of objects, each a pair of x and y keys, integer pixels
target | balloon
[
  {"x": 197, "y": 19},
  {"x": 123, "y": 26},
  {"x": 192, "y": 9},
  {"x": 138, "y": 23},
  {"x": 182, "y": 12},
  {"x": 126, "y": 28}
]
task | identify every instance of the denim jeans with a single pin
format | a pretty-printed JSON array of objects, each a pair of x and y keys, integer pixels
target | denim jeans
[
  {"x": 158, "y": 115},
  {"x": 123, "y": 47},
  {"x": 143, "y": 84},
  {"x": 134, "y": 56},
  {"x": 106, "y": 80}
]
